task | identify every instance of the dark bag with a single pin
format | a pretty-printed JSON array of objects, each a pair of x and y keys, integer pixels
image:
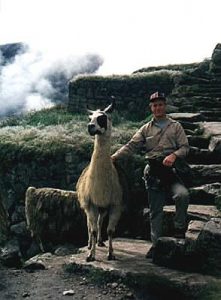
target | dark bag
[
  {"x": 184, "y": 171},
  {"x": 166, "y": 175}
]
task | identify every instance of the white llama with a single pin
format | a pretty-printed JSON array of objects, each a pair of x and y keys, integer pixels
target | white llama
[{"x": 98, "y": 188}]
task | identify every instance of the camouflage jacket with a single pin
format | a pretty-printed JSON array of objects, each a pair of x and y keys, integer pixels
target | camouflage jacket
[{"x": 156, "y": 141}]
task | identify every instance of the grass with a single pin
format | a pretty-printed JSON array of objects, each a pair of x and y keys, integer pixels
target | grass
[
  {"x": 46, "y": 117},
  {"x": 55, "y": 130}
]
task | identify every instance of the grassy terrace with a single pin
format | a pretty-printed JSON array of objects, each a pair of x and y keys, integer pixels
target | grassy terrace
[{"x": 55, "y": 129}]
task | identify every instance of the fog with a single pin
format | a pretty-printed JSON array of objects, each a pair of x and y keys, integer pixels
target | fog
[{"x": 32, "y": 80}]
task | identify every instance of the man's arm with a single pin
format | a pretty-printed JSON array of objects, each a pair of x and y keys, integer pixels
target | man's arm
[
  {"x": 182, "y": 145},
  {"x": 133, "y": 146}
]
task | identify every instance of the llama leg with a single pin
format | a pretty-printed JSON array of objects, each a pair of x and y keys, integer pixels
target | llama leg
[
  {"x": 89, "y": 234},
  {"x": 114, "y": 217},
  {"x": 99, "y": 227},
  {"x": 92, "y": 216}
]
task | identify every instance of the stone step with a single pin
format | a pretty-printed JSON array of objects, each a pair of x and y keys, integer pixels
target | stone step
[
  {"x": 198, "y": 141},
  {"x": 198, "y": 103},
  {"x": 212, "y": 94},
  {"x": 189, "y": 125},
  {"x": 204, "y": 174},
  {"x": 213, "y": 115},
  {"x": 189, "y": 117},
  {"x": 211, "y": 128},
  {"x": 132, "y": 266},
  {"x": 195, "y": 212},
  {"x": 203, "y": 156},
  {"x": 208, "y": 88},
  {"x": 212, "y": 119},
  {"x": 193, "y": 231},
  {"x": 200, "y": 212},
  {"x": 199, "y": 252},
  {"x": 205, "y": 194}
]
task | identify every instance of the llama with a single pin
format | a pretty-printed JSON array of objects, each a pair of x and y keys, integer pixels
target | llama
[{"x": 98, "y": 188}]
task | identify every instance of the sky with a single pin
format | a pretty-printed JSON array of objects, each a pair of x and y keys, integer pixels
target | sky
[{"x": 126, "y": 34}]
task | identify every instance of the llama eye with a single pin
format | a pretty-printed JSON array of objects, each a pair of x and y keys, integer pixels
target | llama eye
[{"x": 102, "y": 121}]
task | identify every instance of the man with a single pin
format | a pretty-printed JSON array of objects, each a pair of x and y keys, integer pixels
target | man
[{"x": 164, "y": 141}]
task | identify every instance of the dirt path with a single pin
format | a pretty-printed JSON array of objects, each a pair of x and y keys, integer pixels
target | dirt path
[{"x": 52, "y": 282}]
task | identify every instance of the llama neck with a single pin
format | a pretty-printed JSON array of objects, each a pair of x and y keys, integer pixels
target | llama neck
[{"x": 101, "y": 153}]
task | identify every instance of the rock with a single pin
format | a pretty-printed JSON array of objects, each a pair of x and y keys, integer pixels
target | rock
[
  {"x": 215, "y": 65},
  {"x": 172, "y": 109},
  {"x": 65, "y": 250},
  {"x": 211, "y": 128},
  {"x": 192, "y": 234},
  {"x": 215, "y": 144},
  {"x": 203, "y": 156},
  {"x": 205, "y": 174},
  {"x": 198, "y": 141},
  {"x": 25, "y": 295},
  {"x": 114, "y": 285},
  {"x": 31, "y": 265},
  {"x": 33, "y": 249},
  {"x": 190, "y": 117},
  {"x": 10, "y": 255},
  {"x": 20, "y": 230},
  {"x": 189, "y": 125},
  {"x": 205, "y": 194},
  {"x": 129, "y": 295},
  {"x": 200, "y": 252},
  {"x": 18, "y": 214},
  {"x": 68, "y": 293},
  {"x": 38, "y": 262},
  {"x": 208, "y": 247},
  {"x": 4, "y": 223},
  {"x": 169, "y": 252},
  {"x": 194, "y": 229},
  {"x": 202, "y": 213}
]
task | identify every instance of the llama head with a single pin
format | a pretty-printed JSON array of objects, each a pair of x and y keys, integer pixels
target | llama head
[{"x": 100, "y": 120}]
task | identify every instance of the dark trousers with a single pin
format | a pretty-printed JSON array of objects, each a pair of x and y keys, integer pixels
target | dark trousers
[{"x": 157, "y": 199}]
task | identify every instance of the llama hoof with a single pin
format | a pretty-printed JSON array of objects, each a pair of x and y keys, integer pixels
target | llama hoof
[
  {"x": 111, "y": 257},
  {"x": 101, "y": 244},
  {"x": 89, "y": 247},
  {"x": 90, "y": 258}
]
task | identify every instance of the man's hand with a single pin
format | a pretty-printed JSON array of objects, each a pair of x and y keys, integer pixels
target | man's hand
[{"x": 169, "y": 160}]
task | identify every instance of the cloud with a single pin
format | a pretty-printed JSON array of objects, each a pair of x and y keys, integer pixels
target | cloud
[{"x": 34, "y": 80}]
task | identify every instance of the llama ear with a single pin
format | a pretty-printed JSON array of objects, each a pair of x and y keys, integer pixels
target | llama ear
[
  {"x": 111, "y": 107},
  {"x": 89, "y": 110}
]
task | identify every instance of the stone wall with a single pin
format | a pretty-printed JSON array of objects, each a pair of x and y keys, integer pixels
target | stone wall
[
  {"x": 189, "y": 88},
  {"x": 131, "y": 91}
]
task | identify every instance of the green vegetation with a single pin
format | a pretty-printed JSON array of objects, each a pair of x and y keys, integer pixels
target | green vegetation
[
  {"x": 53, "y": 131},
  {"x": 45, "y": 117},
  {"x": 158, "y": 74},
  {"x": 173, "y": 67}
]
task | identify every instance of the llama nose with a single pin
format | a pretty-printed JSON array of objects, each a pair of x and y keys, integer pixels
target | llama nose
[{"x": 91, "y": 128}]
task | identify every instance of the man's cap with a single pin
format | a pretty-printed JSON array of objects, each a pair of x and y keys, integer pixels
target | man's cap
[{"x": 157, "y": 96}]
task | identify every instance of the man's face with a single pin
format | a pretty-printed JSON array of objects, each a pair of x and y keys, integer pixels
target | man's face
[{"x": 158, "y": 108}]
